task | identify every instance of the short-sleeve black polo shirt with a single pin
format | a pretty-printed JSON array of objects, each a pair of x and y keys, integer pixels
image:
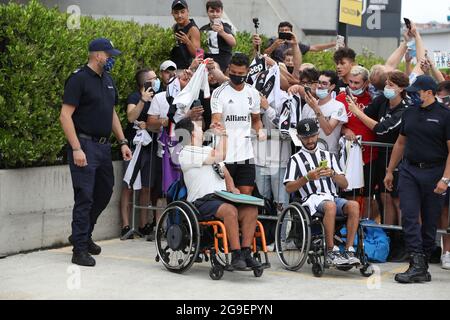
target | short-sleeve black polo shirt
[
  {"x": 134, "y": 98},
  {"x": 427, "y": 131},
  {"x": 94, "y": 98}
]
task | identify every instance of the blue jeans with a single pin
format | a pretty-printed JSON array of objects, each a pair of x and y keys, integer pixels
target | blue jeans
[{"x": 270, "y": 183}]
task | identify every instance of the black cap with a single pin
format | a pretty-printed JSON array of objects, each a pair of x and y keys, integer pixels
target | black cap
[
  {"x": 307, "y": 127},
  {"x": 423, "y": 82},
  {"x": 179, "y": 3},
  {"x": 103, "y": 44}
]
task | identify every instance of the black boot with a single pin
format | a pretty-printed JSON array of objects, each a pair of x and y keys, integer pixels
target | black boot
[
  {"x": 417, "y": 271},
  {"x": 249, "y": 260},
  {"x": 83, "y": 259},
  {"x": 92, "y": 247}
]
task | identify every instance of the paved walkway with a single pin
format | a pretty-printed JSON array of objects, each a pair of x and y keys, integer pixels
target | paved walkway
[{"x": 127, "y": 270}]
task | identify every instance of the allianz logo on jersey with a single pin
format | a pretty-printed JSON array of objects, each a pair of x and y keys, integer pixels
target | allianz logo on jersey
[{"x": 236, "y": 118}]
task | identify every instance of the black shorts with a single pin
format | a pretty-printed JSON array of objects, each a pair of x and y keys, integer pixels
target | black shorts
[
  {"x": 243, "y": 173},
  {"x": 208, "y": 206},
  {"x": 149, "y": 161},
  {"x": 381, "y": 164}
]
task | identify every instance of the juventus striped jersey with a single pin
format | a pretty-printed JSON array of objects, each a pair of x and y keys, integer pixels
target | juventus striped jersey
[{"x": 302, "y": 162}]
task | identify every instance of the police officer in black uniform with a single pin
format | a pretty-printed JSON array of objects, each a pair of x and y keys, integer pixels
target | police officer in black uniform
[
  {"x": 424, "y": 143},
  {"x": 87, "y": 118}
]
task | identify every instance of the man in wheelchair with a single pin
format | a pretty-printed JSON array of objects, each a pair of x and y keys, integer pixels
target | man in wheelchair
[
  {"x": 204, "y": 173},
  {"x": 315, "y": 173}
]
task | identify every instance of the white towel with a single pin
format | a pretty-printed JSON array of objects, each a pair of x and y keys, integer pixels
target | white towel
[
  {"x": 142, "y": 138},
  {"x": 199, "y": 81},
  {"x": 315, "y": 199},
  {"x": 351, "y": 162}
]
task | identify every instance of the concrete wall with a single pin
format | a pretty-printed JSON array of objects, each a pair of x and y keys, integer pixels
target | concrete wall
[
  {"x": 382, "y": 47},
  {"x": 36, "y": 209},
  {"x": 437, "y": 41},
  {"x": 317, "y": 15}
]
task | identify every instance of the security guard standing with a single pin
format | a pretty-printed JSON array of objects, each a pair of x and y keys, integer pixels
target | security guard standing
[
  {"x": 424, "y": 143},
  {"x": 87, "y": 118}
]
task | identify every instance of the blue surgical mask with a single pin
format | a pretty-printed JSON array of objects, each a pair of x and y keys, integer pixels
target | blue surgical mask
[
  {"x": 357, "y": 92},
  {"x": 109, "y": 64},
  {"x": 156, "y": 85},
  {"x": 389, "y": 93},
  {"x": 414, "y": 99},
  {"x": 321, "y": 93}
]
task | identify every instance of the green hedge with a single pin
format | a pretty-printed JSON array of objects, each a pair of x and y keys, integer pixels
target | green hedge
[{"x": 37, "y": 54}]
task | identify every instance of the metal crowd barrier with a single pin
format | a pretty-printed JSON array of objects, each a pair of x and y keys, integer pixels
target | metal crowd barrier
[
  {"x": 387, "y": 148},
  {"x": 366, "y": 144}
]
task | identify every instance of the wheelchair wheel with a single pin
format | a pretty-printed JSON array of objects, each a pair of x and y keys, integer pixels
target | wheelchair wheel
[
  {"x": 178, "y": 237},
  {"x": 292, "y": 236},
  {"x": 367, "y": 270},
  {"x": 216, "y": 272},
  {"x": 258, "y": 272},
  {"x": 317, "y": 269}
]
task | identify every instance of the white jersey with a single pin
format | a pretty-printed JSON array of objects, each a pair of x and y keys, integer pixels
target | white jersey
[
  {"x": 236, "y": 108},
  {"x": 303, "y": 162},
  {"x": 331, "y": 110},
  {"x": 200, "y": 179}
]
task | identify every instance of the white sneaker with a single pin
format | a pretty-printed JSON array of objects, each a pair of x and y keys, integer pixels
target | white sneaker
[
  {"x": 445, "y": 261},
  {"x": 334, "y": 257},
  {"x": 271, "y": 247},
  {"x": 289, "y": 245}
]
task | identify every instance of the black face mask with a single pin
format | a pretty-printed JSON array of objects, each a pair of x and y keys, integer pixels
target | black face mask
[
  {"x": 237, "y": 80},
  {"x": 290, "y": 69}
]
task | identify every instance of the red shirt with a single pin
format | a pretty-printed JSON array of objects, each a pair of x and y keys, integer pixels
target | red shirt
[{"x": 357, "y": 126}]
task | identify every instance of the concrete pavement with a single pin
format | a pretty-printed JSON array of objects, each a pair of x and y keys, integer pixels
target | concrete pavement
[{"x": 127, "y": 270}]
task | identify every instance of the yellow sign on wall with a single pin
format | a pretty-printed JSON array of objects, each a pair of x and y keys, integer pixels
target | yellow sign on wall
[{"x": 350, "y": 12}]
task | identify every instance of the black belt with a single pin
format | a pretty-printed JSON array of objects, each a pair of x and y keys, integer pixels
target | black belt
[
  {"x": 101, "y": 140},
  {"x": 426, "y": 165}
]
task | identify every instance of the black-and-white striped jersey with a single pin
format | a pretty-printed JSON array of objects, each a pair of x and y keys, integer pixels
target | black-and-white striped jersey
[{"x": 302, "y": 162}]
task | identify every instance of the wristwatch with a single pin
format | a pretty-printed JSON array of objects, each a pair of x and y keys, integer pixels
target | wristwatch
[
  {"x": 445, "y": 180},
  {"x": 123, "y": 142}
]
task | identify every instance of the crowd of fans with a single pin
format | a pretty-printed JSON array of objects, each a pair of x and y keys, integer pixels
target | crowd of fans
[{"x": 349, "y": 104}]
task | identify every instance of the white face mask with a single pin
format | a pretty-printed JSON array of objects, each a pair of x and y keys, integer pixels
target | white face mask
[
  {"x": 321, "y": 93},
  {"x": 445, "y": 100}
]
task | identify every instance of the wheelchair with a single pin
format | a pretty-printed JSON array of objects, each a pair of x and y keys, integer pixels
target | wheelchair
[
  {"x": 182, "y": 240},
  {"x": 300, "y": 237}
]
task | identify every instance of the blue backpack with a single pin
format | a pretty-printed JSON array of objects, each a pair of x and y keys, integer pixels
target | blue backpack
[
  {"x": 376, "y": 242},
  {"x": 177, "y": 191}
]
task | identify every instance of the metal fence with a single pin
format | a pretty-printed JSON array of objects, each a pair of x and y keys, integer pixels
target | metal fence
[{"x": 375, "y": 196}]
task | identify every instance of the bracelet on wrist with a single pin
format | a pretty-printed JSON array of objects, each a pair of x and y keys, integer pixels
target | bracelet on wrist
[
  {"x": 77, "y": 149},
  {"x": 306, "y": 177}
]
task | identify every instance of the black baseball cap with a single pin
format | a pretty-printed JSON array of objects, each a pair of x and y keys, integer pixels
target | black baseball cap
[
  {"x": 307, "y": 128},
  {"x": 103, "y": 44},
  {"x": 423, "y": 82},
  {"x": 179, "y": 3}
]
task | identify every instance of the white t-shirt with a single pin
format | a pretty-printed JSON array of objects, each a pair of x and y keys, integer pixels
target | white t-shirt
[
  {"x": 200, "y": 179},
  {"x": 236, "y": 108},
  {"x": 331, "y": 110},
  {"x": 159, "y": 106}
]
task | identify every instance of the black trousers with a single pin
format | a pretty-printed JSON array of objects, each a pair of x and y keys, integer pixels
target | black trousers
[
  {"x": 93, "y": 188},
  {"x": 415, "y": 189}
]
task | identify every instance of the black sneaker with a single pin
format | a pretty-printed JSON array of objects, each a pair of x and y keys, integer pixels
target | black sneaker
[
  {"x": 249, "y": 260},
  {"x": 237, "y": 260},
  {"x": 83, "y": 259},
  {"x": 92, "y": 247},
  {"x": 146, "y": 230},
  {"x": 123, "y": 233},
  {"x": 435, "y": 256}
]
